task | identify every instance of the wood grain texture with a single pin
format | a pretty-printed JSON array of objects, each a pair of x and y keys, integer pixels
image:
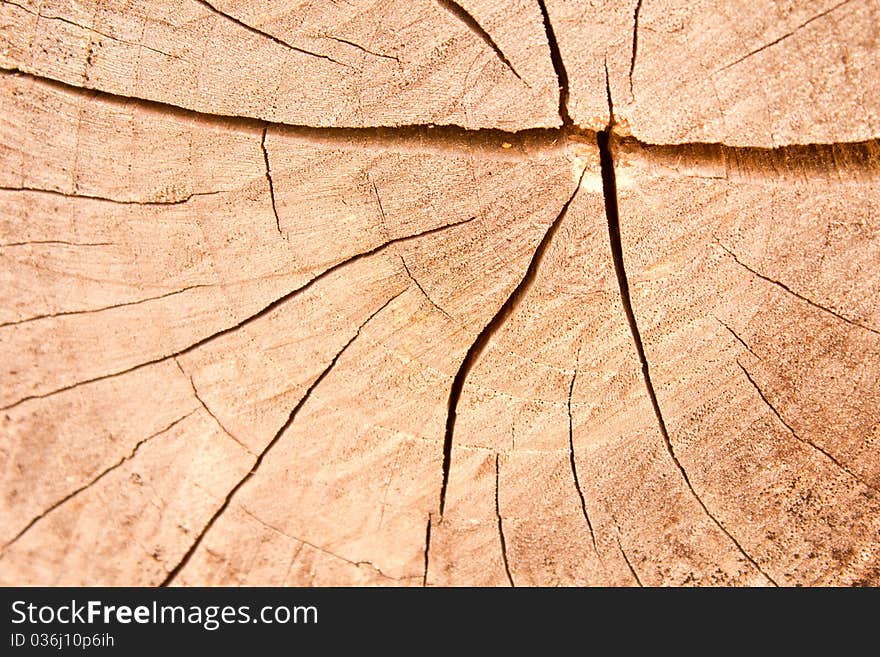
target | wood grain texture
[
  {"x": 772, "y": 329},
  {"x": 366, "y": 63},
  {"x": 745, "y": 74},
  {"x": 439, "y": 293}
]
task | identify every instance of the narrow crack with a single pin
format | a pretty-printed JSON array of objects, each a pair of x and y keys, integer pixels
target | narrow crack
[
  {"x": 106, "y": 199},
  {"x": 462, "y": 14},
  {"x": 623, "y": 553},
  {"x": 132, "y": 453},
  {"x": 558, "y": 66},
  {"x": 400, "y": 255},
  {"x": 201, "y": 401},
  {"x": 54, "y": 243},
  {"x": 323, "y": 550},
  {"x": 629, "y": 565},
  {"x": 172, "y": 574},
  {"x": 501, "y": 522},
  {"x": 421, "y": 289},
  {"x": 785, "y": 287},
  {"x": 87, "y": 28},
  {"x": 89, "y": 311},
  {"x": 784, "y": 36},
  {"x": 635, "y": 45},
  {"x": 427, "y": 550},
  {"x": 271, "y": 37},
  {"x": 269, "y": 179},
  {"x": 573, "y": 463},
  {"x": 247, "y": 320},
  {"x": 609, "y": 185},
  {"x": 378, "y": 202},
  {"x": 482, "y": 339},
  {"x": 842, "y": 466},
  {"x": 361, "y": 48},
  {"x": 737, "y": 338}
]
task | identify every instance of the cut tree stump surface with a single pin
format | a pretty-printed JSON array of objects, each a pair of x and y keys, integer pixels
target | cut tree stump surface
[{"x": 440, "y": 293}]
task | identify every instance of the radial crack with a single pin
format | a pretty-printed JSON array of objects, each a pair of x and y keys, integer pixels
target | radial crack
[
  {"x": 361, "y": 48},
  {"x": 271, "y": 37},
  {"x": 172, "y": 574},
  {"x": 501, "y": 522},
  {"x": 324, "y": 550},
  {"x": 427, "y": 550},
  {"x": 87, "y": 28},
  {"x": 93, "y": 481},
  {"x": 629, "y": 565},
  {"x": 430, "y": 137},
  {"x": 860, "y": 157},
  {"x": 421, "y": 289},
  {"x": 195, "y": 390},
  {"x": 609, "y": 184},
  {"x": 797, "y": 295},
  {"x": 573, "y": 463},
  {"x": 842, "y": 466},
  {"x": 738, "y": 338},
  {"x": 635, "y": 44},
  {"x": 106, "y": 199},
  {"x": 247, "y": 320},
  {"x": 558, "y": 66},
  {"x": 482, "y": 339},
  {"x": 88, "y": 311},
  {"x": 269, "y": 179},
  {"x": 54, "y": 243},
  {"x": 461, "y": 13},
  {"x": 785, "y": 36}
]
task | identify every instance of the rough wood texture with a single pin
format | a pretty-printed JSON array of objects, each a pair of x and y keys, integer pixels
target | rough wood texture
[
  {"x": 760, "y": 73},
  {"x": 439, "y": 293},
  {"x": 366, "y": 63}
]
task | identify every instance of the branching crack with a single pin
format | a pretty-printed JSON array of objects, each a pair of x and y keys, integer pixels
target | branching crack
[
  {"x": 612, "y": 213},
  {"x": 88, "y": 311},
  {"x": 399, "y": 255},
  {"x": 192, "y": 384},
  {"x": 269, "y": 179},
  {"x": 421, "y": 289},
  {"x": 132, "y": 453},
  {"x": 862, "y": 159},
  {"x": 247, "y": 320},
  {"x": 172, "y": 574},
  {"x": 786, "y": 288},
  {"x": 501, "y": 522},
  {"x": 558, "y": 66},
  {"x": 842, "y": 466},
  {"x": 482, "y": 339},
  {"x": 462, "y": 14},
  {"x": 271, "y": 37}
]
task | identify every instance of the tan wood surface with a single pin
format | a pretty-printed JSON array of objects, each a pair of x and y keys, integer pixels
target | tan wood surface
[{"x": 439, "y": 293}]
